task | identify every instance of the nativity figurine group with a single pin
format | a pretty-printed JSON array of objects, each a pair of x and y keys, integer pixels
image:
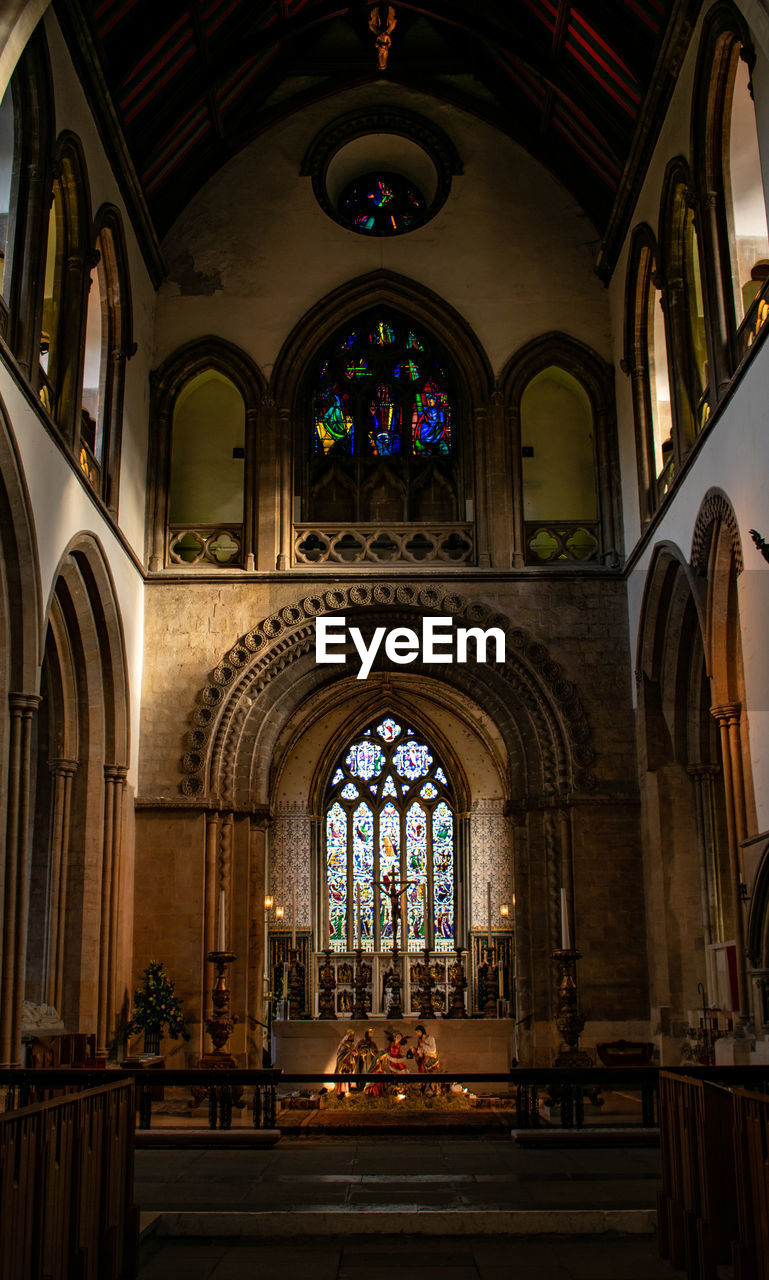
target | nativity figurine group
[{"x": 364, "y": 1057}]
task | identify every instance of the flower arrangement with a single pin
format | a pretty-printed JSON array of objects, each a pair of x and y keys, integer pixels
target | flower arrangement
[{"x": 157, "y": 1008}]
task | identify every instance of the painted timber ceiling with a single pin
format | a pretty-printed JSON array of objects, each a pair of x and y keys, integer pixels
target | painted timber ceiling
[{"x": 577, "y": 82}]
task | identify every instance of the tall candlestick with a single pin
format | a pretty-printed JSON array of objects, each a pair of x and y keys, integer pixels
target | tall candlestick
[
  {"x": 325, "y": 928},
  {"x": 357, "y": 901},
  {"x": 565, "y": 924},
  {"x": 293, "y": 916},
  {"x": 221, "y": 939},
  {"x": 404, "y": 936},
  {"x": 488, "y": 909}
]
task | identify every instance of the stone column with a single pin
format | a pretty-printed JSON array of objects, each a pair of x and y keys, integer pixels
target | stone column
[
  {"x": 519, "y": 537},
  {"x": 250, "y": 493},
  {"x": 483, "y": 491},
  {"x": 62, "y": 773},
  {"x": 160, "y": 448},
  {"x": 114, "y": 785},
  {"x": 16, "y": 905},
  {"x": 719, "y": 344},
  {"x": 257, "y": 865},
  {"x": 703, "y": 780},
  {"x": 728, "y": 718},
  {"x": 286, "y": 489},
  {"x": 209, "y": 904}
]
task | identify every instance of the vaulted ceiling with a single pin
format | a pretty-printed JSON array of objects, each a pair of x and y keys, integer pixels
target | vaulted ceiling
[{"x": 188, "y": 82}]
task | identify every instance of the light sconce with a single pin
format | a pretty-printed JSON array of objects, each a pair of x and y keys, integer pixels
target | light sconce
[
  {"x": 504, "y": 910},
  {"x": 279, "y": 913},
  {"x": 268, "y": 901}
]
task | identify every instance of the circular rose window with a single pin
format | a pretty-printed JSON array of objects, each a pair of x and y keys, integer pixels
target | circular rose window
[{"x": 381, "y": 204}]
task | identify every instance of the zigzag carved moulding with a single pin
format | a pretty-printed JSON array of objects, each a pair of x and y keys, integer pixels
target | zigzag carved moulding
[{"x": 287, "y": 635}]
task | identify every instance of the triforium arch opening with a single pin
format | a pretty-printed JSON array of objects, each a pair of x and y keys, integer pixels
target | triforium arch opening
[
  {"x": 559, "y": 407},
  {"x": 203, "y": 486},
  {"x": 382, "y": 385}
]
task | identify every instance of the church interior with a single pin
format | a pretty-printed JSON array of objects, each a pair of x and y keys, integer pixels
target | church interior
[{"x": 428, "y": 320}]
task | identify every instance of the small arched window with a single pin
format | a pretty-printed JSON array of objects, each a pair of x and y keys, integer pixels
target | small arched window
[
  {"x": 560, "y": 501},
  {"x": 646, "y": 360},
  {"x": 731, "y": 188},
  {"x": 684, "y": 307},
  {"x": 67, "y": 266},
  {"x": 107, "y": 346},
  {"x": 7, "y": 158},
  {"x": 206, "y": 478},
  {"x": 389, "y": 818}
]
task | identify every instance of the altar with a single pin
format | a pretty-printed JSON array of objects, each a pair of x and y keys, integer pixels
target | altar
[{"x": 464, "y": 1045}]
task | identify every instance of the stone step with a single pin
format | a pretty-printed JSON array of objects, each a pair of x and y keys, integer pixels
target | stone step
[{"x": 349, "y": 1219}]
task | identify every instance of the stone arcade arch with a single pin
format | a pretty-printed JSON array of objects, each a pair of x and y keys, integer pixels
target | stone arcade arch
[
  {"x": 20, "y": 613},
  {"x": 544, "y": 747},
  {"x": 81, "y": 890}
]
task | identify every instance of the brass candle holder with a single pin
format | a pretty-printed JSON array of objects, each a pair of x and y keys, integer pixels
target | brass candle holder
[
  {"x": 568, "y": 1019},
  {"x": 490, "y": 985},
  {"x": 360, "y": 983},
  {"x": 295, "y": 985},
  {"x": 219, "y": 1024}
]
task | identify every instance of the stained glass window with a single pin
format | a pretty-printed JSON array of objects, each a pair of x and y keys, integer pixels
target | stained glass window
[
  {"x": 381, "y": 204},
  {"x": 382, "y": 390},
  {"x": 389, "y": 820}
]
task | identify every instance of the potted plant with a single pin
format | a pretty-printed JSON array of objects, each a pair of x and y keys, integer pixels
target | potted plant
[{"x": 157, "y": 1009}]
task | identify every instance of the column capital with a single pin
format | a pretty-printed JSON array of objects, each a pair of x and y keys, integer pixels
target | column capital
[
  {"x": 703, "y": 770},
  {"x": 115, "y": 772},
  {"x": 63, "y": 768},
  {"x": 24, "y": 701},
  {"x": 727, "y": 712},
  {"x": 260, "y": 818}
]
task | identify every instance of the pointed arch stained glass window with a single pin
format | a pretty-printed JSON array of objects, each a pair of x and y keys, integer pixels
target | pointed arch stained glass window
[
  {"x": 382, "y": 392},
  {"x": 389, "y": 813}
]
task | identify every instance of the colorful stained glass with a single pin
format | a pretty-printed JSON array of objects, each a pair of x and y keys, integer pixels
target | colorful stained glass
[
  {"x": 382, "y": 335},
  {"x": 357, "y": 369},
  {"x": 413, "y": 342},
  {"x": 407, "y": 369},
  {"x": 336, "y": 871},
  {"x": 412, "y": 760},
  {"x": 389, "y": 864},
  {"x": 385, "y": 839},
  {"x": 363, "y": 875},
  {"x": 381, "y": 204},
  {"x": 349, "y": 341},
  {"x": 443, "y": 876},
  {"x": 388, "y": 730},
  {"x": 431, "y": 420},
  {"x": 333, "y": 421},
  {"x": 416, "y": 873},
  {"x": 384, "y": 427},
  {"x": 365, "y": 759}
]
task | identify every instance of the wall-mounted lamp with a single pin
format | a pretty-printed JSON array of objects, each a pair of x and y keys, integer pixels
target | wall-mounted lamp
[
  {"x": 504, "y": 910},
  {"x": 279, "y": 913},
  {"x": 268, "y": 901}
]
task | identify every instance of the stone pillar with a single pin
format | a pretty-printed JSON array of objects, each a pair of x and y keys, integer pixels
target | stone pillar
[
  {"x": 728, "y": 718},
  {"x": 250, "y": 493},
  {"x": 718, "y": 308},
  {"x": 160, "y": 447},
  {"x": 16, "y": 904},
  {"x": 286, "y": 489},
  {"x": 483, "y": 491},
  {"x": 257, "y": 866},
  {"x": 519, "y": 538},
  {"x": 114, "y": 786},
  {"x": 62, "y": 773},
  {"x": 209, "y": 904},
  {"x": 703, "y": 778}
]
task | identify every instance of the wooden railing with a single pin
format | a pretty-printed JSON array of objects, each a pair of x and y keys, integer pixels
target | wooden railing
[
  {"x": 713, "y": 1209},
  {"x": 66, "y": 1187}
]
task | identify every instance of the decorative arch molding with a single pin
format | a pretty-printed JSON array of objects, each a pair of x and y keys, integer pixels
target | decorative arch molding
[
  {"x": 23, "y": 626},
  {"x": 166, "y": 382},
  {"x": 596, "y": 376},
  {"x": 552, "y": 731},
  {"x": 642, "y": 276},
  {"x": 715, "y": 510},
  {"x": 118, "y": 346},
  {"x": 382, "y": 288}
]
